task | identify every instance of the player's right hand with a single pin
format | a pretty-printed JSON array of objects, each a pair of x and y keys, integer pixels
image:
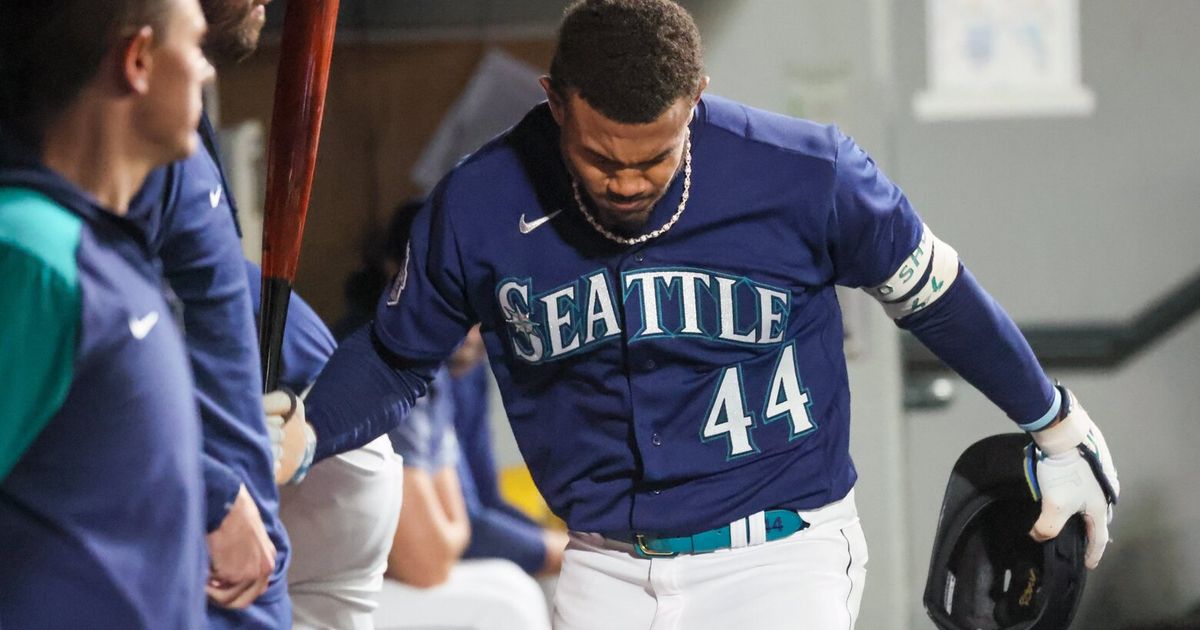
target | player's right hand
[
  {"x": 1075, "y": 474},
  {"x": 293, "y": 442},
  {"x": 241, "y": 556}
]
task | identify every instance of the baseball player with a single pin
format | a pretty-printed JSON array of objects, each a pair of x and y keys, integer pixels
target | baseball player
[
  {"x": 189, "y": 217},
  {"x": 100, "y": 496},
  {"x": 654, "y": 270}
]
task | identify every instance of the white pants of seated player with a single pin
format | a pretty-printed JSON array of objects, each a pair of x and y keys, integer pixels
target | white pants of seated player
[
  {"x": 491, "y": 594},
  {"x": 812, "y": 579},
  {"x": 341, "y": 520}
]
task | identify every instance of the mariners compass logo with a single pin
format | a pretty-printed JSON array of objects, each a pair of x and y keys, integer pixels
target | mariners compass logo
[{"x": 521, "y": 323}]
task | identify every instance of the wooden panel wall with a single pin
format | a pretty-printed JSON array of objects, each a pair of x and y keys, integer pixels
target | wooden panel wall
[{"x": 383, "y": 105}]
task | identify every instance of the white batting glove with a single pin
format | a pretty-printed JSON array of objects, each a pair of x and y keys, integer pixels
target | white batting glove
[
  {"x": 1075, "y": 475},
  {"x": 293, "y": 442}
]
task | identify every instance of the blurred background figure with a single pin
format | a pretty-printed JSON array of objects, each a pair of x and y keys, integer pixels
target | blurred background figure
[
  {"x": 498, "y": 528},
  {"x": 430, "y": 583}
]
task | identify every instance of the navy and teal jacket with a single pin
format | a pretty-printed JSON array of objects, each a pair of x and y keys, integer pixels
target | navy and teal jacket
[{"x": 101, "y": 504}]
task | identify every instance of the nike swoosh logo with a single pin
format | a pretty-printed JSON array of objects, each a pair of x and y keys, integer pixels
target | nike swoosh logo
[
  {"x": 214, "y": 196},
  {"x": 140, "y": 327},
  {"x": 529, "y": 226}
]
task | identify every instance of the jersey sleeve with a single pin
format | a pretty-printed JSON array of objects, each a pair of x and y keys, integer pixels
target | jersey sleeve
[
  {"x": 873, "y": 227},
  {"x": 39, "y": 321},
  {"x": 424, "y": 313}
]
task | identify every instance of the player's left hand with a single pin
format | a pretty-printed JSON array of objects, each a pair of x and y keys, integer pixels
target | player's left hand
[
  {"x": 293, "y": 441},
  {"x": 1075, "y": 474},
  {"x": 241, "y": 555}
]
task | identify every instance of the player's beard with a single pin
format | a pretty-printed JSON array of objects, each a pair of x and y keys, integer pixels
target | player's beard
[
  {"x": 234, "y": 27},
  {"x": 628, "y": 222}
]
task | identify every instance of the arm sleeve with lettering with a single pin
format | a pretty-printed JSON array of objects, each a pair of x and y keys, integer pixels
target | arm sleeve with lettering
[
  {"x": 39, "y": 328},
  {"x": 876, "y": 230},
  {"x": 973, "y": 335}
]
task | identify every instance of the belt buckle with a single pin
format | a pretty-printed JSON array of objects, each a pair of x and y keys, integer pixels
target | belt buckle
[{"x": 639, "y": 542}]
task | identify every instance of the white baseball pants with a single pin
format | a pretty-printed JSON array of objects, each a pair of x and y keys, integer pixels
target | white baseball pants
[
  {"x": 341, "y": 521},
  {"x": 490, "y": 594},
  {"x": 812, "y": 579}
]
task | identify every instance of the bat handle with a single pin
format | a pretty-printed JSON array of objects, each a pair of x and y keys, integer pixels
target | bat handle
[{"x": 276, "y": 294}]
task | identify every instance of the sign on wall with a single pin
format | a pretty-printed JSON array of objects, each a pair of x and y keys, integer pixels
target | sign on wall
[{"x": 1002, "y": 58}]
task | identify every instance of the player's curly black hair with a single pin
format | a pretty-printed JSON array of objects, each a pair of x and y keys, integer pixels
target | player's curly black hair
[{"x": 629, "y": 59}]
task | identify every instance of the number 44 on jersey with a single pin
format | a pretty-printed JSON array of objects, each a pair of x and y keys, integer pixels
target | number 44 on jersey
[{"x": 729, "y": 417}]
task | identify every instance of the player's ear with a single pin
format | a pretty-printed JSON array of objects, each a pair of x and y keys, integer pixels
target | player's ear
[
  {"x": 700, "y": 89},
  {"x": 557, "y": 106},
  {"x": 135, "y": 60}
]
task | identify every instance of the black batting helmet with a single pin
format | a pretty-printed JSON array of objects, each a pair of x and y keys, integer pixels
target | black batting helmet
[{"x": 986, "y": 573}]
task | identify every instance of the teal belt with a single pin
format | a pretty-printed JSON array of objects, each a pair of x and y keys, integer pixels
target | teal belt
[{"x": 779, "y": 524}]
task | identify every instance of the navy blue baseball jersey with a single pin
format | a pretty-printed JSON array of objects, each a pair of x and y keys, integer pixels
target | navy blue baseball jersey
[
  {"x": 672, "y": 386},
  {"x": 101, "y": 520}
]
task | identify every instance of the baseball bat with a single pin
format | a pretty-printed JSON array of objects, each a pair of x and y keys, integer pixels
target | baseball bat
[{"x": 300, "y": 84}]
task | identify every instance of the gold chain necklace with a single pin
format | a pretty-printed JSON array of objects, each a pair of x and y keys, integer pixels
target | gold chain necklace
[{"x": 687, "y": 188}]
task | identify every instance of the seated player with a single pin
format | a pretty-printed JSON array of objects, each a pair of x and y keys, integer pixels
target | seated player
[
  {"x": 498, "y": 530},
  {"x": 429, "y": 584}
]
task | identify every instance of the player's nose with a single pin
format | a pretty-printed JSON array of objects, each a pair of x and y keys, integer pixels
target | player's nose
[{"x": 627, "y": 186}]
